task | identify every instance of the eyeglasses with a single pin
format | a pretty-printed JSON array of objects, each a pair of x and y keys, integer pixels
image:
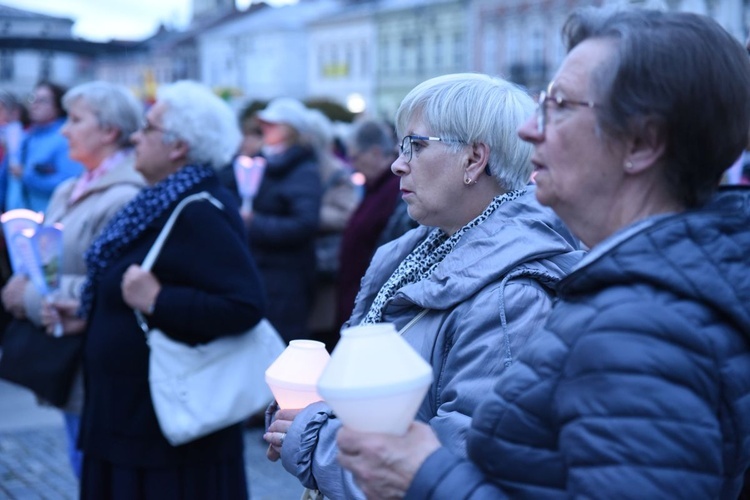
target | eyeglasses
[
  {"x": 39, "y": 100},
  {"x": 150, "y": 127},
  {"x": 406, "y": 147},
  {"x": 558, "y": 103}
]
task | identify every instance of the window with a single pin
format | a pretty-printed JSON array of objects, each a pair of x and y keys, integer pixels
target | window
[
  {"x": 439, "y": 52},
  {"x": 45, "y": 66},
  {"x": 458, "y": 51},
  {"x": 7, "y": 68}
]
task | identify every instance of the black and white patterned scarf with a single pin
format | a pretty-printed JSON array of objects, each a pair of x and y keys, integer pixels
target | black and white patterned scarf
[
  {"x": 131, "y": 221},
  {"x": 423, "y": 260}
]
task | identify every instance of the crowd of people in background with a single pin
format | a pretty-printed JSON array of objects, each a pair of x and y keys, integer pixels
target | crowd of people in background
[
  {"x": 472, "y": 211},
  {"x": 310, "y": 197},
  {"x": 107, "y": 169}
]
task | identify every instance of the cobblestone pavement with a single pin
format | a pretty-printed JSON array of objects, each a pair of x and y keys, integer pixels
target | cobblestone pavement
[{"x": 34, "y": 464}]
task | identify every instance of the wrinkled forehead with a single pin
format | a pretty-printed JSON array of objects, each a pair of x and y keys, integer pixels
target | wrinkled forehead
[{"x": 575, "y": 73}]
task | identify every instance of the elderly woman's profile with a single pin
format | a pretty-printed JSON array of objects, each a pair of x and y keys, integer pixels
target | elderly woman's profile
[
  {"x": 203, "y": 286},
  {"x": 638, "y": 385},
  {"x": 481, "y": 266}
]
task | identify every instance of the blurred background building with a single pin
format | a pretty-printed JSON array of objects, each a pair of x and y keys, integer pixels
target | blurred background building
[{"x": 362, "y": 54}]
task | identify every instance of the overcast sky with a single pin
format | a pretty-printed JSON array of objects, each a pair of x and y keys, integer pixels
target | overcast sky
[{"x": 102, "y": 20}]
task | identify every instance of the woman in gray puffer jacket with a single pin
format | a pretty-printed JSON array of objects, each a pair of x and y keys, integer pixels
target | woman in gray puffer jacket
[{"x": 482, "y": 265}]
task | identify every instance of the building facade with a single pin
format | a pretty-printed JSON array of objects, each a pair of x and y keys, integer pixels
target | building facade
[
  {"x": 262, "y": 53},
  {"x": 22, "y": 67},
  {"x": 342, "y": 66},
  {"x": 363, "y": 54},
  {"x": 417, "y": 40}
]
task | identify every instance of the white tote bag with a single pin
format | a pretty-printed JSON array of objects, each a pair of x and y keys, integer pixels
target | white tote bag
[{"x": 197, "y": 390}]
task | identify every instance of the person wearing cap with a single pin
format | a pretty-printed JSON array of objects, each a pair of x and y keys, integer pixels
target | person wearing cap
[{"x": 284, "y": 222}]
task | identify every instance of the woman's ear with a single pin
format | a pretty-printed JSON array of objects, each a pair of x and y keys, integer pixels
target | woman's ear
[
  {"x": 111, "y": 133},
  {"x": 479, "y": 157},
  {"x": 179, "y": 151},
  {"x": 646, "y": 146}
]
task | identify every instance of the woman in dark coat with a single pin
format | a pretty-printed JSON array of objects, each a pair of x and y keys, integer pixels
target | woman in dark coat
[
  {"x": 284, "y": 222},
  {"x": 203, "y": 285}
]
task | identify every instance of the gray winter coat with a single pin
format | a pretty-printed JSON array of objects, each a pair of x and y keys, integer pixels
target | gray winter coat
[{"x": 484, "y": 299}]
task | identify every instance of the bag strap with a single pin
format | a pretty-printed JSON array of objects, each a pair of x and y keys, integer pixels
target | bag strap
[
  {"x": 153, "y": 253},
  {"x": 413, "y": 321}
]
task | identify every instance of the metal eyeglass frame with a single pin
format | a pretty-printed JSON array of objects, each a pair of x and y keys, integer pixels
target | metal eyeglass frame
[
  {"x": 541, "y": 107},
  {"x": 405, "y": 147}
]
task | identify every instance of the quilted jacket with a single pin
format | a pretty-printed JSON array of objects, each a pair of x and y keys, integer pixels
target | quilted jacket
[{"x": 639, "y": 384}]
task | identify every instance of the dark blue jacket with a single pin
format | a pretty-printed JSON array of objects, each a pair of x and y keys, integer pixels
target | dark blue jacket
[
  {"x": 210, "y": 287},
  {"x": 639, "y": 384},
  {"x": 282, "y": 237}
]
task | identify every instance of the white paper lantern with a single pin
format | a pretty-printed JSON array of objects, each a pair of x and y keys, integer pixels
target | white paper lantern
[
  {"x": 293, "y": 377},
  {"x": 375, "y": 381}
]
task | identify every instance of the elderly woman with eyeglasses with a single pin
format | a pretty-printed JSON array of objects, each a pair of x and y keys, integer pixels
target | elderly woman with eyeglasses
[
  {"x": 482, "y": 265},
  {"x": 638, "y": 386},
  {"x": 203, "y": 285}
]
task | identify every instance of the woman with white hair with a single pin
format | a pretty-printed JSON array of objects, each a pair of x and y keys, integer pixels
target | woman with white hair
[
  {"x": 203, "y": 285},
  {"x": 101, "y": 117},
  {"x": 481, "y": 264}
]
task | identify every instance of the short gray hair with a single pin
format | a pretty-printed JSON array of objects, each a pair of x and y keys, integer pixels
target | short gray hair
[
  {"x": 475, "y": 108},
  {"x": 113, "y": 106},
  {"x": 195, "y": 115}
]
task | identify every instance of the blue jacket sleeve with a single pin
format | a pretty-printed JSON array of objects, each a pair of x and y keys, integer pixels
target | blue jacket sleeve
[
  {"x": 61, "y": 168},
  {"x": 444, "y": 476},
  {"x": 310, "y": 450}
]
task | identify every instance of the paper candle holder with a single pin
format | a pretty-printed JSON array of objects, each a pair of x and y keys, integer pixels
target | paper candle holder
[
  {"x": 293, "y": 376},
  {"x": 375, "y": 381}
]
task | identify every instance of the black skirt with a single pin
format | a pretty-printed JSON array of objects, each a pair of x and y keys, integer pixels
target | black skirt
[{"x": 216, "y": 480}]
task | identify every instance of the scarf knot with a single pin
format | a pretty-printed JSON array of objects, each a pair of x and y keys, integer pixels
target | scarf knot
[{"x": 424, "y": 259}]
